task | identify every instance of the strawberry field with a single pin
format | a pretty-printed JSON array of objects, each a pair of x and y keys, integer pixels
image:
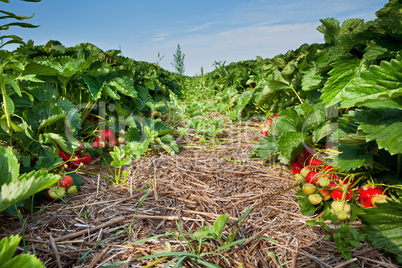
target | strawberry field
[{"x": 292, "y": 161}]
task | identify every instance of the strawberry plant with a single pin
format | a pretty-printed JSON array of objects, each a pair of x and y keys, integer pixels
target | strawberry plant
[{"x": 16, "y": 187}]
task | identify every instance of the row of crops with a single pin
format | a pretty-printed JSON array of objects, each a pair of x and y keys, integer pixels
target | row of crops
[
  {"x": 331, "y": 112},
  {"x": 338, "y": 116}
]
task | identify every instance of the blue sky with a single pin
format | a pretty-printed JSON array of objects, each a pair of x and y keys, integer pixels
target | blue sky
[{"x": 207, "y": 31}]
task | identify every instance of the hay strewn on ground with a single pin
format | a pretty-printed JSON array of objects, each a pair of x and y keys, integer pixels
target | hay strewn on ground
[{"x": 191, "y": 188}]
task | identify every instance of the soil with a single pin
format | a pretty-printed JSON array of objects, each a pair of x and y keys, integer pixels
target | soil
[{"x": 169, "y": 195}]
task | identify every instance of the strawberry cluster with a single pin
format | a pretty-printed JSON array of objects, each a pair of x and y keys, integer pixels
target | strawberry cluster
[
  {"x": 322, "y": 182},
  {"x": 76, "y": 158},
  {"x": 107, "y": 137},
  {"x": 267, "y": 124},
  {"x": 61, "y": 188}
]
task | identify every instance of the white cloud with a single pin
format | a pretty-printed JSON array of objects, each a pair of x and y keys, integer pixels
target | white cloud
[{"x": 202, "y": 27}]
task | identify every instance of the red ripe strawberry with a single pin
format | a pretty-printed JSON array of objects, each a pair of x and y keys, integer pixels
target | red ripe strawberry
[
  {"x": 308, "y": 152},
  {"x": 75, "y": 162},
  {"x": 268, "y": 121},
  {"x": 378, "y": 198},
  {"x": 79, "y": 148},
  {"x": 366, "y": 194},
  {"x": 65, "y": 156},
  {"x": 275, "y": 116},
  {"x": 107, "y": 135},
  {"x": 98, "y": 143},
  {"x": 305, "y": 153},
  {"x": 329, "y": 168},
  {"x": 314, "y": 162},
  {"x": 264, "y": 132},
  {"x": 86, "y": 158},
  {"x": 312, "y": 178},
  {"x": 66, "y": 182},
  {"x": 337, "y": 194},
  {"x": 331, "y": 171},
  {"x": 296, "y": 167},
  {"x": 113, "y": 143},
  {"x": 301, "y": 160}
]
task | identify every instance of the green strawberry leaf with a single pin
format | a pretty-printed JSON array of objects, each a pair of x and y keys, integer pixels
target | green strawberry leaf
[
  {"x": 288, "y": 141},
  {"x": 289, "y": 121},
  {"x": 45, "y": 92},
  {"x": 9, "y": 166},
  {"x": 321, "y": 132},
  {"x": 306, "y": 208},
  {"x": 23, "y": 260},
  {"x": 312, "y": 80},
  {"x": 345, "y": 70},
  {"x": 25, "y": 186},
  {"x": 378, "y": 83},
  {"x": 95, "y": 85},
  {"x": 124, "y": 86},
  {"x": 266, "y": 148},
  {"x": 353, "y": 157},
  {"x": 382, "y": 224},
  {"x": 8, "y": 246},
  {"x": 43, "y": 114},
  {"x": 384, "y": 126}
]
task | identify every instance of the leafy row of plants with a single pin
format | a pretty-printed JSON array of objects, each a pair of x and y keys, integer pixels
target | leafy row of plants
[
  {"x": 341, "y": 103},
  {"x": 347, "y": 115},
  {"x": 57, "y": 103}
]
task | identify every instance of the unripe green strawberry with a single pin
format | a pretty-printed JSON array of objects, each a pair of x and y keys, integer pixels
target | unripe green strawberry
[
  {"x": 323, "y": 181},
  {"x": 299, "y": 177},
  {"x": 339, "y": 205},
  {"x": 305, "y": 171},
  {"x": 72, "y": 190},
  {"x": 55, "y": 192},
  {"x": 121, "y": 139},
  {"x": 343, "y": 216},
  {"x": 315, "y": 199},
  {"x": 309, "y": 188}
]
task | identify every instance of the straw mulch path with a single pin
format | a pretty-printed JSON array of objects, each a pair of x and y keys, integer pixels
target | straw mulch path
[{"x": 188, "y": 190}]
